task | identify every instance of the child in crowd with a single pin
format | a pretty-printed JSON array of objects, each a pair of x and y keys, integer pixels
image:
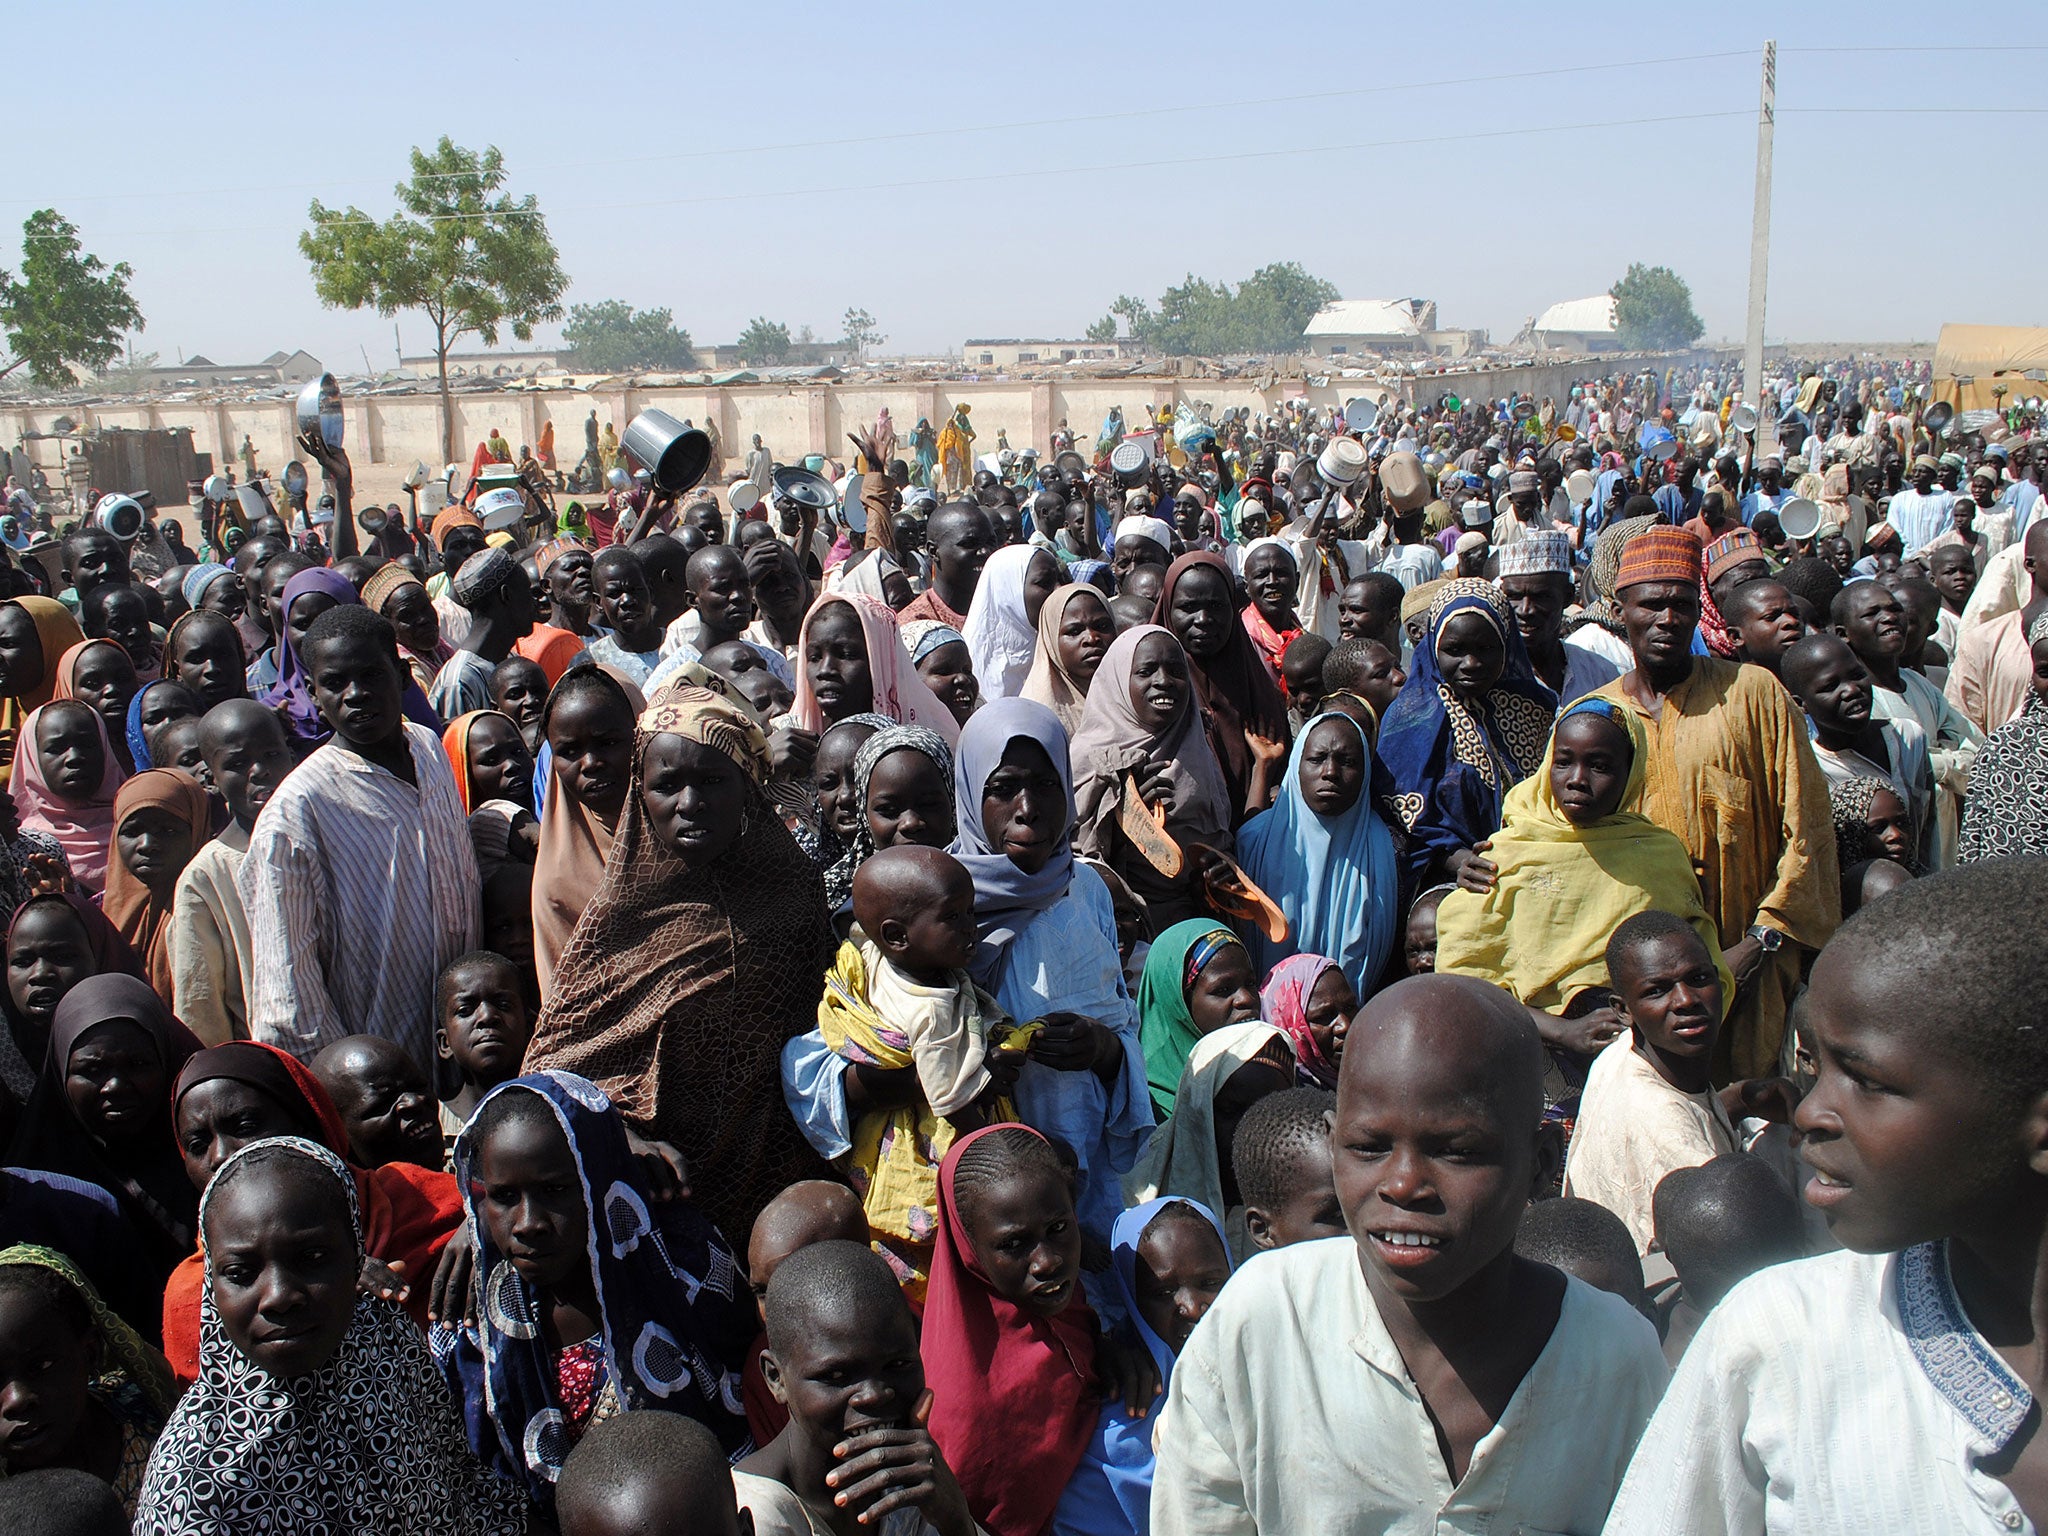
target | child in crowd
[
  {"x": 519, "y": 689},
  {"x": 843, "y": 1360},
  {"x": 1229, "y": 1071},
  {"x": 1282, "y": 1157},
  {"x": 809, "y": 1211},
  {"x": 177, "y": 744},
  {"x": 1198, "y": 978},
  {"x": 61, "y": 1502},
  {"x": 1585, "y": 1240},
  {"x": 384, "y": 1099},
  {"x": 210, "y": 949},
  {"x": 1829, "y": 682},
  {"x": 1650, "y": 1105},
  {"x": 648, "y": 1474},
  {"x": 481, "y": 1033},
  {"x": 1422, "y": 1369},
  {"x": 78, "y": 1387},
  {"x": 1418, "y": 939},
  {"x": 568, "y": 1331},
  {"x": 161, "y": 818},
  {"x": 317, "y": 1406},
  {"x": 1891, "y": 1385},
  {"x": 742, "y": 665},
  {"x": 1171, "y": 1260},
  {"x": 901, "y": 997},
  {"x": 1719, "y": 1224},
  {"x": 1011, "y": 1352}
]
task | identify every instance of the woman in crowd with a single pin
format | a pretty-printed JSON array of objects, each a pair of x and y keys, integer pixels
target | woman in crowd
[
  {"x": 1198, "y": 978},
  {"x": 1242, "y": 708},
  {"x": 55, "y": 941},
  {"x": 161, "y": 817},
  {"x": 34, "y": 633},
  {"x": 100, "y": 673},
  {"x": 1074, "y": 634},
  {"x": 101, "y": 1111},
  {"x": 572, "y": 1329},
  {"x": 1141, "y": 736},
  {"x": 340, "y": 1423},
  {"x": 1048, "y": 947},
  {"x": 902, "y": 782},
  {"x": 1310, "y": 1000},
  {"x": 587, "y": 734},
  {"x": 1468, "y": 725},
  {"x": 1002, "y": 622},
  {"x": 851, "y": 662},
  {"x": 64, "y": 782},
  {"x": 1327, "y": 856},
  {"x": 398, "y": 595},
  {"x": 489, "y": 759},
  {"x": 703, "y": 950},
  {"x": 1572, "y": 861},
  {"x": 230, "y": 1095},
  {"x": 940, "y": 655},
  {"x": 205, "y": 652}
]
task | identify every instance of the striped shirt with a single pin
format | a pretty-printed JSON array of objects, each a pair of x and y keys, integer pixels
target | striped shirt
[
  {"x": 1831, "y": 1397},
  {"x": 359, "y": 889}
]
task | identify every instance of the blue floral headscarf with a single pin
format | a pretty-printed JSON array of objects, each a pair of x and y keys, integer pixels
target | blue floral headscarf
[
  {"x": 1453, "y": 763},
  {"x": 674, "y": 1320}
]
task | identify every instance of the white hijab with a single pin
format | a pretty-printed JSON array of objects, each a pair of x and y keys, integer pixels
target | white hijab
[{"x": 999, "y": 637}]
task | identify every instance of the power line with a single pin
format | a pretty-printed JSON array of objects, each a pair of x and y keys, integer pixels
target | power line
[{"x": 958, "y": 129}]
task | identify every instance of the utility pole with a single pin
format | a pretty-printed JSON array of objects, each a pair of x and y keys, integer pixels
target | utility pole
[{"x": 1760, "y": 236}]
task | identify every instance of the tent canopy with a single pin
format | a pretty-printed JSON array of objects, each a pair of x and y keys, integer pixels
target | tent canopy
[{"x": 1990, "y": 356}]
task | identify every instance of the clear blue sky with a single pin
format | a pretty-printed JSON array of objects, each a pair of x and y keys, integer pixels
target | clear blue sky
[{"x": 1409, "y": 169}]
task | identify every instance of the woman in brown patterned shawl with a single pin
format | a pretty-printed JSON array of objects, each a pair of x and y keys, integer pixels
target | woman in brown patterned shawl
[{"x": 703, "y": 951}]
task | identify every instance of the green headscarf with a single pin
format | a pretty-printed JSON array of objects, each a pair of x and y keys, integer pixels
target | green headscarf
[
  {"x": 125, "y": 1354},
  {"x": 1165, "y": 1029}
]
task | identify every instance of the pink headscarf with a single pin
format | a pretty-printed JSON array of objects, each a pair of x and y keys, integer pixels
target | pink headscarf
[
  {"x": 82, "y": 830},
  {"x": 899, "y": 692},
  {"x": 1283, "y": 1003}
]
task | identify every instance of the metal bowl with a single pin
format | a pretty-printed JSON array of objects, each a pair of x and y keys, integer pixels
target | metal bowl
[{"x": 320, "y": 411}]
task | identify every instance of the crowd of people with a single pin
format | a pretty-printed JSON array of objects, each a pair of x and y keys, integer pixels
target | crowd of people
[{"x": 1469, "y": 968}]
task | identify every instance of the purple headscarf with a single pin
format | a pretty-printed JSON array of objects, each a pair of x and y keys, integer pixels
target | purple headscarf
[
  {"x": 1005, "y": 897},
  {"x": 293, "y": 691}
]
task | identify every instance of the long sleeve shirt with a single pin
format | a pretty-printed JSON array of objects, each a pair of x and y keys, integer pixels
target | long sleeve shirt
[
  {"x": 211, "y": 951},
  {"x": 360, "y": 887}
]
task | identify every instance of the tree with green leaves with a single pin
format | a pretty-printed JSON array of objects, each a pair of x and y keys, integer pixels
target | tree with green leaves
[
  {"x": 68, "y": 309},
  {"x": 614, "y": 337},
  {"x": 1653, "y": 310},
  {"x": 1267, "y": 312},
  {"x": 861, "y": 332},
  {"x": 470, "y": 256},
  {"x": 764, "y": 341}
]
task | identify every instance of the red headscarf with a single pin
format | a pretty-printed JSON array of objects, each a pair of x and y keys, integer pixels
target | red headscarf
[
  {"x": 1013, "y": 1396},
  {"x": 409, "y": 1213}
]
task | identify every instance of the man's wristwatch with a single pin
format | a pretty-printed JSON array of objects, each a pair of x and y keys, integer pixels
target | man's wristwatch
[{"x": 1769, "y": 940}]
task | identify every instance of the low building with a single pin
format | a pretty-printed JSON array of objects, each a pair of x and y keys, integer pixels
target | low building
[
  {"x": 198, "y": 372},
  {"x": 1578, "y": 325},
  {"x": 1372, "y": 327},
  {"x": 488, "y": 365},
  {"x": 1012, "y": 351}
]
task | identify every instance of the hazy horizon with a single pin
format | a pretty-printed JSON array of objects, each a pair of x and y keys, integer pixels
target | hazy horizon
[{"x": 961, "y": 174}]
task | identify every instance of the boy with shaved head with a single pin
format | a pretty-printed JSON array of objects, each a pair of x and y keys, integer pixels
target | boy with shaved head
[
  {"x": 855, "y": 1456},
  {"x": 1431, "y": 1378},
  {"x": 1891, "y": 1386}
]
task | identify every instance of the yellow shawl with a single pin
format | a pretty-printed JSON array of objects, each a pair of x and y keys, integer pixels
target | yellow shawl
[
  {"x": 894, "y": 1164},
  {"x": 1562, "y": 890}
]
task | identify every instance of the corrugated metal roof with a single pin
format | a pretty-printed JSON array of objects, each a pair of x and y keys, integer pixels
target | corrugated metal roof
[{"x": 1368, "y": 317}]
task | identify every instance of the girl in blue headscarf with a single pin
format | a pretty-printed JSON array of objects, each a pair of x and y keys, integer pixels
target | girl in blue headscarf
[
  {"x": 1327, "y": 856},
  {"x": 1471, "y": 722},
  {"x": 1170, "y": 1260},
  {"x": 612, "y": 1302}
]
